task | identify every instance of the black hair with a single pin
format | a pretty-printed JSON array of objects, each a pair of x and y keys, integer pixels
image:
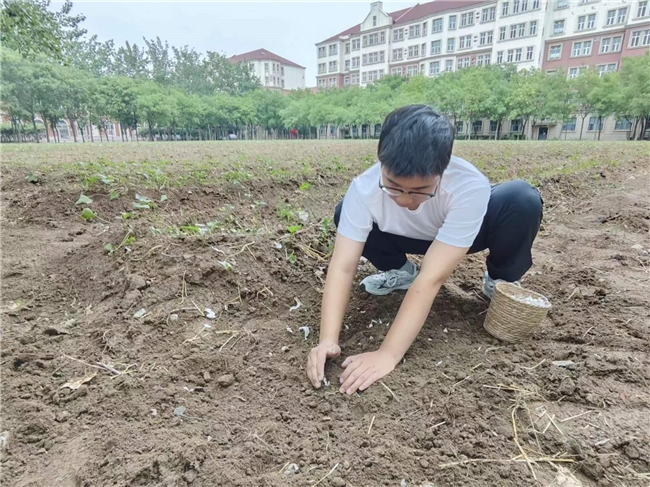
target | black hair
[{"x": 415, "y": 140}]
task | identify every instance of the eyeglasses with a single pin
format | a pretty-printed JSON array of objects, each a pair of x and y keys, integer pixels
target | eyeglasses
[{"x": 416, "y": 195}]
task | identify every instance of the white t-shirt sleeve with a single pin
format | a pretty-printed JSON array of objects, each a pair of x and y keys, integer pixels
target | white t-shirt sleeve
[
  {"x": 465, "y": 217},
  {"x": 356, "y": 219}
]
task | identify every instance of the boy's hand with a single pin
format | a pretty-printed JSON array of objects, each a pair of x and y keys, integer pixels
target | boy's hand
[
  {"x": 316, "y": 361},
  {"x": 363, "y": 370}
]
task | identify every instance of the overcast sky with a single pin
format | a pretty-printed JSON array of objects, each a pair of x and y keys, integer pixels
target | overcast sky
[{"x": 287, "y": 29}]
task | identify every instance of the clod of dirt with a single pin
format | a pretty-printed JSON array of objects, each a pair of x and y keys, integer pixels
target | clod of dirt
[
  {"x": 564, "y": 363},
  {"x": 285, "y": 349},
  {"x": 424, "y": 463},
  {"x": 137, "y": 282},
  {"x": 190, "y": 476},
  {"x": 290, "y": 469},
  {"x": 62, "y": 417},
  {"x": 55, "y": 331},
  {"x": 593, "y": 469},
  {"x": 567, "y": 387},
  {"x": 338, "y": 482},
  {"x": 206, "y": 376},
  {"x": 226, "y": 380}
]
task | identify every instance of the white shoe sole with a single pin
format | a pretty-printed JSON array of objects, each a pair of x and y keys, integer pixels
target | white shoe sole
[{"x": 383, "y": 291}]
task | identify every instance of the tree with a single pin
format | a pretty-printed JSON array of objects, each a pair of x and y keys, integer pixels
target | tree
[
  {"x": 161, "y": 64},
  {"x": 30, "y": 28},
  {"x": 582, "y": 87},
  {"x": 605, "y": 97},
  {"x": 635, "y": 92},
  {"x": 131, "y": 61}
]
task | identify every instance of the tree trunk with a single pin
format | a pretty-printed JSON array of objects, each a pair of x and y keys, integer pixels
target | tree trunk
[
  {"x": 150, "y": 129},
  {"x": 35, "y": 129},
  {"x": 582, "y": 126},
  {"x": 47, "y": 133},
  {"x": 81, "y": 131},
  {"x": 74, "y": 132},
  {"x": 92, "y": 136},
  {"x": 600, "y": 126}
]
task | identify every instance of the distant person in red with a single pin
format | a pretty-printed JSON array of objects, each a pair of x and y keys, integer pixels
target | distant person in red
[{"x": 294, "y": 134}]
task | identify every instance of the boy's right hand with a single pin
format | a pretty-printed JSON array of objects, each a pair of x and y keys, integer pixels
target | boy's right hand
[{"x": 316, "y": 361}]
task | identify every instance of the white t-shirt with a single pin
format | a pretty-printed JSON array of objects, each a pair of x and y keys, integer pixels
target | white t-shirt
[{"x": 454, "y": 216}]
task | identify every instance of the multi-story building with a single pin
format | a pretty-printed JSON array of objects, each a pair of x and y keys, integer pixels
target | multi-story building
[
  {"x": 272, "y": 70},
  {"x": 447, "y": 35}
]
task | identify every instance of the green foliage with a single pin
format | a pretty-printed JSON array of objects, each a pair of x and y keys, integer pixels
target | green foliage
[
  {"x": 304, "y": 186},
  {"x": 84, "y": 200},
  {"x": 293, "y": 228},
  {"x": 88, "y": 214}
]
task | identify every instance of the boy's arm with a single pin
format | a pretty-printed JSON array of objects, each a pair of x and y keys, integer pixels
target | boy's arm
[
  {"x": 365, "y": 369},
  {"x": 340, "y": 274}
]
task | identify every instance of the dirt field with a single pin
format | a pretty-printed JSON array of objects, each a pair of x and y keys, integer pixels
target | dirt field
[{"x": 244, "y": 229}]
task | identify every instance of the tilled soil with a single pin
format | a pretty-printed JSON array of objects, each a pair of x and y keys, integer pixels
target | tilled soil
[{"x": 175, "y": 402}]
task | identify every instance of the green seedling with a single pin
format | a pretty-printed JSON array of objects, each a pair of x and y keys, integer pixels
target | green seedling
[
  {"x": 304, "y": 186},
  {"x": 115, "y": 194},
  {"x": 32, "y": 178},
  {"x": 293, "y": 228},
  {"x": 88, "y": 214},
  {"x": 84, "y": 200},
  {"x": 292, "y": 258}
]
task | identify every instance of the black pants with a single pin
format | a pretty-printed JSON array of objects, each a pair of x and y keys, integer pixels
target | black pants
[{"x": 509, "y": 227}]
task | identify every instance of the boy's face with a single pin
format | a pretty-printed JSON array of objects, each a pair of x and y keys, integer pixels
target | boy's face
[{"x": 409, "y": 192}]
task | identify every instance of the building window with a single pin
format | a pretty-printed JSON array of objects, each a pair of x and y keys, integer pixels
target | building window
[
  {"x": 642, "y": 11},
  {"x": 356, "y": 44},
  {"x": 623, "y": 124},
  {"x": 355, "y": 62},
  {"x": 502, "y": 33},
  {"x": 398, "y": 35},
  {"x": 364, "y": 77},
  {"x": 322, "y": 68},
  {"x": 436, "y": 47},
  {"x": 332, "y": 82},
  {"x": 488, "y": 14},
  {"x": 558, "y": 27},
  {"x": 591, "y": 21},
  {"x": 412, "y": 70},
  {"x": 616, "y": 16},
  {"x": 322, "y": 51},
  {"x": 622, "y": 14},
  {"x": 459, "y": 127},
  {"x": 282, "y": 83},
  {"x": 414, "y": 51},
  {"x": 436, "y": 25},
  {"x": 535, "y": 4},
  {"x": 569, "y": 125},
  {"x": 575, "y": 72},
  {"x": 321, "y": 83},
  {"x": 465, "y": 42},
  {"x": 532, "y": 28},
  {"x": 605, "y": 45},
  {"x": 396, "y": 71},
  {"x": 493, "y": 126},
  {"x": 595, "y": 124},
  {"x": 347, "y": 65},
  {"x": 513, "y": 31},
  {"x": 347, "y": 48},
  {"x": 346, "y": 81},
  {"x": 504, "y": 8},
  {"x": 562, "y": 3},
  {"x": 452, "y": 22},
  {"x": 515, "y": 6},
  {"x": 485, "y": 38},
  {"x": 374, "y": 21},
  {"x": 521, "y": 30},
  {"x": 449, "y": 65},
  {"x": 529, "y": 53},
  {"x": 334, "y": 49},
  {"x": 451, "y": 45},
  {"x": 581, "y": 48},
  {"x": 483, "y": 60},
  {"x": 398, "y": 54},
  {"x": 515, "y": 126},
  {"x": 333, "y": 66},
  {"x": 355, "y": 79},
  {"x": 616, "y": 44},
  {"x": 424, "y": 28},
  {"x": 581, "y": 22},
  {"x": 555, "y": 52},
  {"x": 477, "y": 127},
  {"x": 636, "y": 39},
  {"x": 467, "y": 19},
  {"x": 414, "y": 31},
  {"x": 606, "y": 68},
  {"x": 510, "y": 56},
  {"x": 499, "y": 57},
  {"x": 434, "y": 68},
  {"x": 518, "y": 54},
  {"x": 463, "y": 62}
]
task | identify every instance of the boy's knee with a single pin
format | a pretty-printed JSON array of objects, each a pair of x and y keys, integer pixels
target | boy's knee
[
  {"x": 337, "y": 213},
  {"x": 525, "y": 198}
]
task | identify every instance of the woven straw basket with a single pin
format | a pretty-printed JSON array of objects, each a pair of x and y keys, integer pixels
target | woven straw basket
[{"x": 510, "y": 319}]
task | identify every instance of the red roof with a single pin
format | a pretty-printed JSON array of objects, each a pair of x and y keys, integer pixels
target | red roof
[
  {"x": 262, "y": 55},
  {"x": 418, "y": 11}
]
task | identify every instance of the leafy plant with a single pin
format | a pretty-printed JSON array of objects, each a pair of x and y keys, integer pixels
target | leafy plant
[
  {"x": 115, "y": 194},
  {"x": 110, "y": 250},
  {"x": 293, "y": 228},
  {"x": 84, "y": 200},
  {"x": 143, "y": 203},
  {"x": 163, "y": 198},
  {"x": 88, "y": 214},
  {"x": 292, "y": 258},
  {"x": 32, "y": 178},
  {"x": 304, "y": 186}
]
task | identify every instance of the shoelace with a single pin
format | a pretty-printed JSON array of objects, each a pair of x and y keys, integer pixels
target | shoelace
[{"x": 390, "y": 278}]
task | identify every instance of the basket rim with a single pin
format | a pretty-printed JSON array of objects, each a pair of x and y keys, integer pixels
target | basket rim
[{"x": 503, "y": 288}]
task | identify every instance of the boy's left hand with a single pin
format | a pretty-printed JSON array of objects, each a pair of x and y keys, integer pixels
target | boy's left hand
[{"x": 363, "y": 370}]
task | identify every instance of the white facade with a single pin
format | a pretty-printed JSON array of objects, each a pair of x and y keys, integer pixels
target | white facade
[{"x": 272, "y": 70}]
